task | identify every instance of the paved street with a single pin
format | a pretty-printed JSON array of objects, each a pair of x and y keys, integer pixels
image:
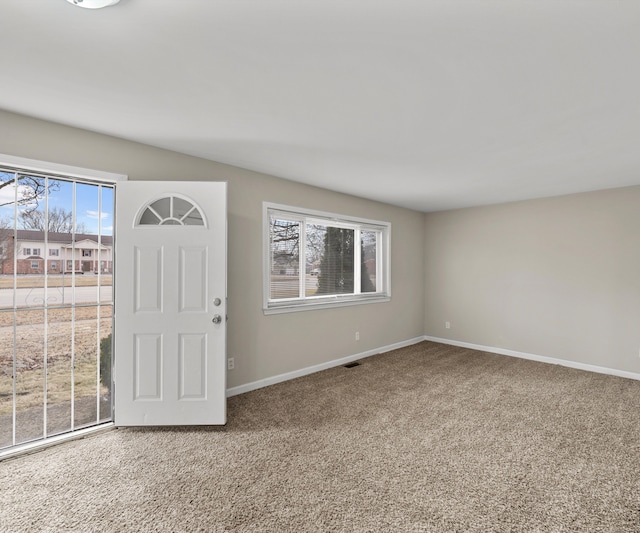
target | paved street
[{"x": 35, "y": 297}]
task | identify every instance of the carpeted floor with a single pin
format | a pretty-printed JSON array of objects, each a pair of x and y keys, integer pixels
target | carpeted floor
[{"x": 426, "y": 438}]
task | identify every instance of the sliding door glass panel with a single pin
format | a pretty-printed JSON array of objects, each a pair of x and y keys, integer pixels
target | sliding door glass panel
[
  {"x": 59, "y": 236},
  {"x": 30, "y": 208},
  {"x": 6, "y": 378},
  {"x": 106, "y": 364},
  {"x": 30, "y": 377},
  {"x": 56, "y": 306},
  {"x": 88, "y": 213},
  {"x": 86, "y": 366},
  {"x": 106, "y": 245},
  {"x": 59, "y": 370}
]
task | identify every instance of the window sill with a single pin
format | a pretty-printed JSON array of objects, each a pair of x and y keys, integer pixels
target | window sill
[{"x": 294, "y": 307}]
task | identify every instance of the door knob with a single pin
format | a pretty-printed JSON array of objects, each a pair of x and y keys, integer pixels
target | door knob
[
  {"x": 217, "y": 319},
  {"x": 217, "y": 302}
]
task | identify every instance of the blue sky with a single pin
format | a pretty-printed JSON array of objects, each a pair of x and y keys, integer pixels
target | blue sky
[{"x": 88, "y": 210}]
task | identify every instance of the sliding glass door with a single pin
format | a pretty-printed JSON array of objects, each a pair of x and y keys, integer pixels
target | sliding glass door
[{"x": 56, "y": 305}]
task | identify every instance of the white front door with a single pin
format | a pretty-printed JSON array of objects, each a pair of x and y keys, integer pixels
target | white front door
[{"x": 170, "y": 301}]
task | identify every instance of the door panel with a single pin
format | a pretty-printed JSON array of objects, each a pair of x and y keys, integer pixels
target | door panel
[
  {"x": 193, "y": 367},
  {"x": 148, "y": 367},
  {"x": 147, "y": 273},
  {"x": 171, "y": 266},
  {"x": 193, "y": 279}
]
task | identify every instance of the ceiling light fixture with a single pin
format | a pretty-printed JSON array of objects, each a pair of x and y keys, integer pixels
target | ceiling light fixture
[{"x": 93, "y": 4}]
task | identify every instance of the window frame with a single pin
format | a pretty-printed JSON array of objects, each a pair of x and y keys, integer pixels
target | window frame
[{"x": 303, "y": 303}]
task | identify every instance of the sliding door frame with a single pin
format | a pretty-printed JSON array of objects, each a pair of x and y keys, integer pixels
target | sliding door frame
[{"x": 54, "y": 171}]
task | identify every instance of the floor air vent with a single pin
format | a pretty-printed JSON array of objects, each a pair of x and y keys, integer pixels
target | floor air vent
[{"x": 351, "y": 365}]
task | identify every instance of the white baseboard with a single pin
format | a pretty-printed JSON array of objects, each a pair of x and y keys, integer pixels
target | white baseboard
[
  {"x": 241, "y": 389},
  {"x": 539, "y": 358}
]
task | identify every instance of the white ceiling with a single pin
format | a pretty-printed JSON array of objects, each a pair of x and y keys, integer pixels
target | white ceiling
[{"x": 428, "y": 104}]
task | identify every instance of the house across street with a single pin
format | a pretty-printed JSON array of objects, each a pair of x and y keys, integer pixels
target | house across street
[{"x": 58, "y": 253}]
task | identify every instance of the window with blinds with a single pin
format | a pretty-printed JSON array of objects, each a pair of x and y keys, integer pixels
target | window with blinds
[{"x": 317, "y": 259}]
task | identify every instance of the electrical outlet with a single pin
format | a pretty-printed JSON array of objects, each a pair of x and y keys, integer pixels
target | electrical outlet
[
  {"x": 231, "y": 363},
  {"x": 357, "y": 335},
  {"x": 447, "y": 324}
]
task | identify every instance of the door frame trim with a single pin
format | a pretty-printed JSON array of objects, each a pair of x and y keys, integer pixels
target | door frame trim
[{"x": 46, "y": 167}]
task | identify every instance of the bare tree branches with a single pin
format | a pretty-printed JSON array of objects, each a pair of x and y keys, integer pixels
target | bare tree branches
[
  {"x": 285, "y": 239},
  {"x": 31, "y": 189},
  {"x": 59, "y": 220}
]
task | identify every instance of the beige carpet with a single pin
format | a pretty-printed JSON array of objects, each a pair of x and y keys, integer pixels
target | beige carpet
[{"x": 426, "y": 438}]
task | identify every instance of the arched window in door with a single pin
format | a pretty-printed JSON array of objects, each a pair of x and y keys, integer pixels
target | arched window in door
[{"x": 171, "y": 211}]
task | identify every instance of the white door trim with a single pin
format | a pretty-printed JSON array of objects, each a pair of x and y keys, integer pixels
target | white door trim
[{"x": 45, "y": 167}]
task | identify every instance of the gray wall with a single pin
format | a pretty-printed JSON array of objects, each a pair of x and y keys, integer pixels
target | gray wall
[
  {"x": 263, "y": 346},
  {"x": 556, "y": 277}
]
